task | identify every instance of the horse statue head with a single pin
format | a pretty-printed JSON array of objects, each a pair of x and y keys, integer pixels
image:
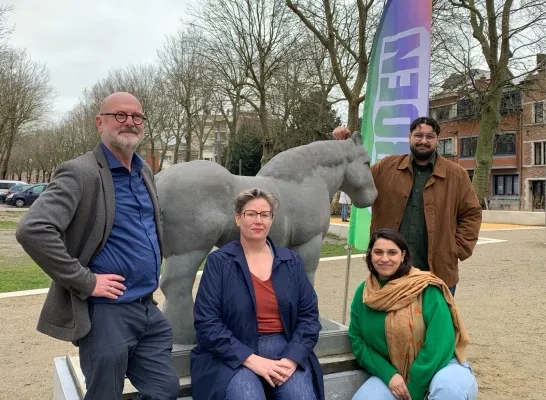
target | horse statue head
[
  {"x": 337, "y": 164},
  {"x": 358, "y": 181}
]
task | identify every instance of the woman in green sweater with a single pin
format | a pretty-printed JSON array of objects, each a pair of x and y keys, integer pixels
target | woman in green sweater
[{"x": 406, "y": 331}]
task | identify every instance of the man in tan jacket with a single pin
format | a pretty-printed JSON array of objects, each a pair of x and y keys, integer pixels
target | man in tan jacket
[{"x": 429, "y": 199}]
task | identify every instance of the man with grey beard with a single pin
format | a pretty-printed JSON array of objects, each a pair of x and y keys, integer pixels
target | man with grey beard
[
  {"x": 429, "y": 200},
  {"x": 96, "y": 231}
]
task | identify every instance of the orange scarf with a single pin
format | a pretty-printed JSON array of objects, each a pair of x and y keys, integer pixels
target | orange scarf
[{"x": 404, "y": 326}]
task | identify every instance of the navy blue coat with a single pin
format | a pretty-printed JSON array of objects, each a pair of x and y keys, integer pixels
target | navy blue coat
[{"x": 226, "y": 323}]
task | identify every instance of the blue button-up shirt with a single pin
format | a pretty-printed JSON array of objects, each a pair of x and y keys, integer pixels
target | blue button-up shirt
[{"x": 132, "y": 249}]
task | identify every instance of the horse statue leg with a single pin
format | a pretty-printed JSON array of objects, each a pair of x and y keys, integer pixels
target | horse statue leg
[
  {"x": 310, "y": 253},
  {"x": 177, "y": 285}
]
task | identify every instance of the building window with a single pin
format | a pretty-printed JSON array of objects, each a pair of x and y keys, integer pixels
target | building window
[
  {"x": 504, "y": 144},
  {"x": 468, "y": 146},
  {"x": 445, "y": 147},
  {"x": 538, "y": 112},
  {"x": 540, "y": 157},
  {"x": 466, "y": 108},
  {"x": 506, "y": 185},
  {"x": 444, "y": 113}
]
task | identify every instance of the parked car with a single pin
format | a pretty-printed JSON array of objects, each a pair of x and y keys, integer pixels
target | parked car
[
  {"x": 18, "y": 188},
  {"x": 27, "y": 196},
  {"x": 5, "y": 185}
]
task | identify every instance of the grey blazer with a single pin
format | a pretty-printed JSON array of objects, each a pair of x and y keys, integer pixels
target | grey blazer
[{"x": 68, "y": 224}]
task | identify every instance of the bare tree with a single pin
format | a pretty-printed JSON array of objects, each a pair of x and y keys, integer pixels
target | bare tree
[
  {"x": 183, "y": 67},
  {"x": 25, "y": 95},
  {"x": 5, "y": 30},
  {"x": 229, "y": 77},
  {"x": 501, "y": 35},
  {"x": 308, "y": 77},
  {"x": 262, "y": 33},
  {"x": 345, "y": 29}
]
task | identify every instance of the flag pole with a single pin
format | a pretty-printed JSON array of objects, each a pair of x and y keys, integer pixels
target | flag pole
[{"x": 349, "y": 248}]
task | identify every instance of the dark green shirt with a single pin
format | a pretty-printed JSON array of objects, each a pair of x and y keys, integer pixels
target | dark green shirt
[{"x": 414, "y": 226}]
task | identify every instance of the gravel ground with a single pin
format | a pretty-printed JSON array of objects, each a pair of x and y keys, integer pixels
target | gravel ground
[{"x": 501, "y": 296}]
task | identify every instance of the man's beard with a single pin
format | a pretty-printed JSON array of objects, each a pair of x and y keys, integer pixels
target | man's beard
[
  {"x": 422, "y": 154},
  {"x": 125, "y": 144}
]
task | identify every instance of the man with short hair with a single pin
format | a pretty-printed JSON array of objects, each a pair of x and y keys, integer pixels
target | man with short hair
[
  {"x": 429, "y": 200},
  {"x": 96, "y": 231}
]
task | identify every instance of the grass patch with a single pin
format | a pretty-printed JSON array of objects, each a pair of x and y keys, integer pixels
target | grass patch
[
  {"x": 4, "y": 224},
  {"x": 19, "y": 272},
  {"x": 335, "y": 250}
]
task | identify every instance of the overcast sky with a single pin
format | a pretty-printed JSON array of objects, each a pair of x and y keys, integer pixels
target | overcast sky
[{"x": 80, "y": 41}]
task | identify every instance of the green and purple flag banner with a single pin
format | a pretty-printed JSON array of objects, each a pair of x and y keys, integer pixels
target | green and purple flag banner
[{"x": 397, "y": 90}]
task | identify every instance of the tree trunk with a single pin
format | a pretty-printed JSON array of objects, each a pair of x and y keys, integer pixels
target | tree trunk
[
  {"x": 232, "y": 127},
  {"x": 7, "y": 155},
  {"x": 152, "y": 156},
  {"x": 187, "y": 158},
  {"x": 229, "y": 150},
  {"x": 268, "y": 144},
  {"x": 176, "y": 149},
  {"x": 490, "y": 119},
  {"x": 353, "y": 117}
]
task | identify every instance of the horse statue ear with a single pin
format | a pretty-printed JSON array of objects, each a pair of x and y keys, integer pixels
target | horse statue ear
[{"x": 357, "y": 138}]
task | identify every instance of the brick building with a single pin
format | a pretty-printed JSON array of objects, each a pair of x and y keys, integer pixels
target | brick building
[
  {"x": 519, "y": 150},
  {"x": 534, "y": 137}
]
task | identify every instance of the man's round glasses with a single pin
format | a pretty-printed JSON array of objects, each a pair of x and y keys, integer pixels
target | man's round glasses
[
  {"x": 420, "y": 136},
  {"x": 121, "y": 117},
  {"x": 251, "y": 214}
]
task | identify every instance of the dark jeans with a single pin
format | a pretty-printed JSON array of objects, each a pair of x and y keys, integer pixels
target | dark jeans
[
  {"x": 452, "y": 289},
  {"x": 246, "y": 385},
  {"x": 133, "y": 340}
]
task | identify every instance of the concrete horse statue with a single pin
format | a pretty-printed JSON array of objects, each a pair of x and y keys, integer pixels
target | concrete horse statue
[{"x": 198, "y": 211}]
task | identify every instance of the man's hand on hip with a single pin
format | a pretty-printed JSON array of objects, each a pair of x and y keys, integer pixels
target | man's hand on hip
[{"x": 109, "y": 286}]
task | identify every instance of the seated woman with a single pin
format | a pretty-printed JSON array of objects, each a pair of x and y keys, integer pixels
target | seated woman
[
  {"x": 256, "y": 316},
  {"x": 406, "y": 331}
]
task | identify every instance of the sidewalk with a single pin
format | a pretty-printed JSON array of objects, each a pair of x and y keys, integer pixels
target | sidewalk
[{"x": 485, "y": 226}]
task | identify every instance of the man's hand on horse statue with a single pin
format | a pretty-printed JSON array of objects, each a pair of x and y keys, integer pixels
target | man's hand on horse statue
[{"x": 341, "y": 133}]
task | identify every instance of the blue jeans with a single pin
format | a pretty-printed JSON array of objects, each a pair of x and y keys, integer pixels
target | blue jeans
[
  {"x": 452, "y": 289},
  {"x": 344, "y": 211},
  {"x": 453, "y": 382},
  {"x": 246, "y": 385}
]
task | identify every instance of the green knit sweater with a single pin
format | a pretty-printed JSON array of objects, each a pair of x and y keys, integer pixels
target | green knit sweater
[{"x": 367, "y": 335}]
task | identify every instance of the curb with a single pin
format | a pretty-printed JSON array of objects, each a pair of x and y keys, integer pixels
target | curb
[{"x": 34, "y": 292}]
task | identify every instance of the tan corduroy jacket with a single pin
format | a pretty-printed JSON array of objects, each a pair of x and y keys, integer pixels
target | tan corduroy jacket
[{"x": 452, "y": 211}]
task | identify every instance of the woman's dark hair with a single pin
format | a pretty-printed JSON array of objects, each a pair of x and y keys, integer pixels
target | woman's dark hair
[{"x": 398, "y": 240}]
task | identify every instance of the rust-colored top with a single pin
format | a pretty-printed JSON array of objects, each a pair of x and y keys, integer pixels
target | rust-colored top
[{"x": 267, "y": 309}]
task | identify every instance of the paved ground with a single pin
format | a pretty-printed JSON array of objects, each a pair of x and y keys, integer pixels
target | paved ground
[
  {"x": 5, "y": 207},
  {"x": 501, "y": 296},
  {"x": 485, "y": 226}
]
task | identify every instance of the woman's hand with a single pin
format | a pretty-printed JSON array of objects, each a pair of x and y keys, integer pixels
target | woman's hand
[
  {"x": 398, "y": 387},
  {"x": 268, "y": 369},
  {"x": 289, "y": 367}
]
